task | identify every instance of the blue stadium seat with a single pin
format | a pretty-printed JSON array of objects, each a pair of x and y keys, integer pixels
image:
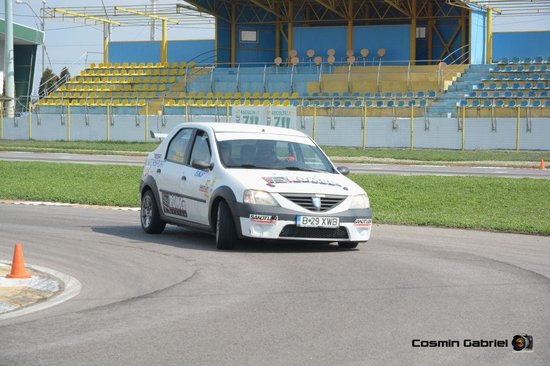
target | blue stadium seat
[
  {"x": 496, "y": 94},
  {"x": 462, "y": 103},
  {"x": 544, "y": 94},
  {"x": 379, "y": 103},
  {"x": 475, "y": 103},
  {"x": 547, "y": 104},
  {"x": 543, "y": 68},
  {"x": 422, "y": 103},
  {"x": 487, "y": 103},
  {"x": 503, "y": 61},
  {"x": 499, "y": 103},
  {"x": 357, "y": 103},
  {"x": 412, "y": 103},
  {"x": 484, "y": 94},
  {"x": 431, "y": 94},
  {"x": 536, "y": 103},
  {"x": 538, "y": 60},
  {"x": 519, "y": 94},
  {"x": 368, "y": 103},
  {"x": 532, "y": 94},
  {"x": 524, "y": 103},
  {"x": 511, "y": 104},
  {"x": 367, "y": 95},
  {"x": 515, "y": 60},
  {"x": 409, "y": 95},
  {"x": 401, "y": 103},
  {"x": 508, "y": 94},
  {"x": 389, "y": 103},
  {"x": 420, "y": 94}
]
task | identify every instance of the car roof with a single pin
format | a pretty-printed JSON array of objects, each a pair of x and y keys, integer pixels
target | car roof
[{"x": 220, "y": 127}]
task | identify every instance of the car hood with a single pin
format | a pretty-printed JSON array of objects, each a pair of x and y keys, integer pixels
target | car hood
[{"x": 286, "y": 181}]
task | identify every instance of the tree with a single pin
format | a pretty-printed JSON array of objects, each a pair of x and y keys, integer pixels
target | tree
[
  {"x": 47, "y": 81},
  {"x": 64, "y": 75}
]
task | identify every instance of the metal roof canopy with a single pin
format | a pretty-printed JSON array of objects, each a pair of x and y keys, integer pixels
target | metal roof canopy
[
  {"x": 131, "y": 15},
  {"x": 134, "y": 15},
  {"x": 22, "y": 35}
]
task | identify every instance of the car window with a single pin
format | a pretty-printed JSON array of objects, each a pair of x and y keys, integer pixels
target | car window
[
  {"x": 272, "y": 154},
  {"x": 178, "y": 146},
  {"x": 201, "y": 147}
]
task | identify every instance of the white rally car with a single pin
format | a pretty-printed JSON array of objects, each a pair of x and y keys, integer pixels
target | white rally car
[{"x": 253, "y": 182}]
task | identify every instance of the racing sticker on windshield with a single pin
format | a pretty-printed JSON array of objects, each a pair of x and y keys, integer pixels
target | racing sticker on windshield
[
  {"x": 174, "y": 204},
  {"x": 271, "y": 181}
]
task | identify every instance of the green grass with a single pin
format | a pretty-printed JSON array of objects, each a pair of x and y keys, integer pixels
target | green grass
[
  {"x": 440, "y": 155},
  {"x": 73, "y": 183},
  {"x": 501, "y": 204},
  {"x": 511, "y": 205},
  {"x": 141, "y": 148},
  {"x": 80, "y": 147}
]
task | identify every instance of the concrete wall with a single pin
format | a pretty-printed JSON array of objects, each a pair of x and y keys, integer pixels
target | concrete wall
[{"x": 435, "y": 133}]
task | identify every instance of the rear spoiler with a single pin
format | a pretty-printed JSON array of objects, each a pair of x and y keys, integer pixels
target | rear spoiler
[{"x": 157, "y": 135}]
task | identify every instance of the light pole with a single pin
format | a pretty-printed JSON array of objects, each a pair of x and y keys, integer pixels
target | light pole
[
  {"x": 8, "y": 61},
  {"x": 42, "y": 23}
]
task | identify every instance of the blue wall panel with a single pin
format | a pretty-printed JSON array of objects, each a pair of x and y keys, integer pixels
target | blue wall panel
[
  {"x": 149, "y": 51},
  {"x": 320, "y": 39},
  {"x": 478, "y": 37},
  {"x": 521, "y": 44},
  {"x": 200, "y": 51},
  {"x": 262, "y": 51},
  {"x": 223, "y": 39},
  {"x": 395, "y": 39}
]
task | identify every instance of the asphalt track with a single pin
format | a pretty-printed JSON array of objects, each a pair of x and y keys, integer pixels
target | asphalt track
[
  {"x": 172, "y": 299},
  {"x": 355, "y": 168}
]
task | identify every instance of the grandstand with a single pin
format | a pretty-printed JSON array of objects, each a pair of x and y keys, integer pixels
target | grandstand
[{"x": 396, "y": 63}]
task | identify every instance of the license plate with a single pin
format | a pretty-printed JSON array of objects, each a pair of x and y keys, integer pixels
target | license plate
[{"x": 315, "y": 221}]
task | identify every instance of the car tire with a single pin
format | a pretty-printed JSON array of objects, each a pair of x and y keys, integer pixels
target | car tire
[
  {"x": 151, "y": 222},
  {"x": 226, "y": 235},
  {"x": 348, "y": 244}
]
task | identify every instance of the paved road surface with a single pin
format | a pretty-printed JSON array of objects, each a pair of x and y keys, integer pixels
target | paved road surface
[
  {"x": 172, "y": 299},
  {"x": 355, "y": 168}
]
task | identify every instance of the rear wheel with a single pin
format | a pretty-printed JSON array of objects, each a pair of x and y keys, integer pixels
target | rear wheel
[
  {"x": 150, "y": 217},
  {"x": 226, "y": 235},
  {"x": 348, "y": 244}
]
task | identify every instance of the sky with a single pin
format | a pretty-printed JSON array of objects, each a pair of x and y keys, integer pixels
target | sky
[{"x": 70, "y": 44}]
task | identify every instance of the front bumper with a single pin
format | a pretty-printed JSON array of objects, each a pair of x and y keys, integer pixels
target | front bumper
[{"x": 267, "y": 222}]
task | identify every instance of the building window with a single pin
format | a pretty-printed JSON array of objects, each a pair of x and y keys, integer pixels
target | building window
[
  {"x": 249, "y": 36},
  {"x": 421, "y": 32}
]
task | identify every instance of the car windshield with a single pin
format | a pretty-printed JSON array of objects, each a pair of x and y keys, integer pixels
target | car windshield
[{"x": 273, "y": 154}]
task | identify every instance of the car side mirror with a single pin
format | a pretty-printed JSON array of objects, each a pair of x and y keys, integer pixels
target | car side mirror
[
  {"x": 344, "y": 170},
  {"x": 202, "y": 165}
]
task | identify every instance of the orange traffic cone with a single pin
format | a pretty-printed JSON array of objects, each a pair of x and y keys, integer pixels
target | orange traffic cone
[
  {"x": 541, "y": 167},
  {"x": 18, "y": 264}
]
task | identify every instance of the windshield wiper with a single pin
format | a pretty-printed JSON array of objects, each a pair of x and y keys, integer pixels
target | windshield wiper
[
  {"x": 250, "y": 166},
  {"x": 304, "y": 169}
]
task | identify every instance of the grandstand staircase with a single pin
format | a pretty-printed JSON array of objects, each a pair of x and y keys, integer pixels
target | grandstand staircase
[{"x": 445, "y": 103}]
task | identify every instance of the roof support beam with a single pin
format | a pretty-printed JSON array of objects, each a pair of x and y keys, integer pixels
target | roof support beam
[
  {"x": 265, "y": 7},
  {"x": 330, "y": 5},
  {"x": 398, "y": 5}
]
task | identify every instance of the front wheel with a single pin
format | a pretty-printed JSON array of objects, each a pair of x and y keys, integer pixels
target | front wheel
[
  {"x": 348, "y": 244},
  {"x": 151, "y": 222},
  {"x": 226, "y": 235}
]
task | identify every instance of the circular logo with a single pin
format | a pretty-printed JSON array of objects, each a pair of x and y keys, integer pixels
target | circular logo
[{"x": 518, "y": 342}]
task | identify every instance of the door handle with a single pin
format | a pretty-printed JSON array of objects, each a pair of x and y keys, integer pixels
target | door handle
[
  {"x": 158, "y": 170},
  {"x": 183, "y": 177}
]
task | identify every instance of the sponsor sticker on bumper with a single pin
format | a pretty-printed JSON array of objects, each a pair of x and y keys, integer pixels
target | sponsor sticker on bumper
[
  {"x": 263, "y": 219},
  {"x": 362, "y": 222}
]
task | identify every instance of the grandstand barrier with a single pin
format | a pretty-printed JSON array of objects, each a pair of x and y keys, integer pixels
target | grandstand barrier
[{"x": 351, "y": 127}]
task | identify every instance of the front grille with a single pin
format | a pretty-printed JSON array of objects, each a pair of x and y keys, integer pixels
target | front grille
[
  {"x": 306, "y": 201},
  {"x": 293, "y": 231}
]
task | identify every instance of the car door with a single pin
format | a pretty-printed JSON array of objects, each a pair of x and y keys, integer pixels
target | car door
[
  {"x": 170, "y": 178},
  {"x": 200, "y": 181}
]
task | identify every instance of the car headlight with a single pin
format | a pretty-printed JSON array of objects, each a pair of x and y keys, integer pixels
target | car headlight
[
  {"x": 255, "y": 197},
  {"x": 360, "y": 201}
]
